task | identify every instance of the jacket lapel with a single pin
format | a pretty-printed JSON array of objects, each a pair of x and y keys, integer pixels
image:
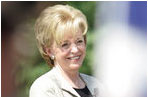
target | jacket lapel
[
  {"x": 90, "y": 85},
  {"x": 67, "y": 88}
]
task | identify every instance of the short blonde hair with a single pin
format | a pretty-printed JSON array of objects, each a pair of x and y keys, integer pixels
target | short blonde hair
[{"x": 52, "y": 24}]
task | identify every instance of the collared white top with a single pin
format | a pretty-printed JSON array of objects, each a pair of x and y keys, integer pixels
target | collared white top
[{"x": 52, "y": 84}]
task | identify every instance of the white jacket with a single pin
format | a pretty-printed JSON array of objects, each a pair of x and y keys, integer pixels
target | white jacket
[{"x": 52, "y": 84}]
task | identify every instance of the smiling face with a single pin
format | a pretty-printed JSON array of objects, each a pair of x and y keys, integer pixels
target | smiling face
[{"x": 70, "y": 53}]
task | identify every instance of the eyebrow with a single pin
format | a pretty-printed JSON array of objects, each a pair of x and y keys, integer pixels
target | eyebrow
[
  {"x": 68, "y": 40},
  {"x": 64, "y": 41},
  {"x": 79, "y": 38}
]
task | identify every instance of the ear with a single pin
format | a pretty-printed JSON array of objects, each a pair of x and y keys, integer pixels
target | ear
[{"x": 49, "y": 51}]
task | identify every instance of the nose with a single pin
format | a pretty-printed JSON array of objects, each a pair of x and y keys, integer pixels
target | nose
[{"x": 74, "y": 49}]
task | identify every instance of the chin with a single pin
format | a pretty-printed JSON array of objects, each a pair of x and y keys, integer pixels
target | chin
[{"x": 75, "y": 66}]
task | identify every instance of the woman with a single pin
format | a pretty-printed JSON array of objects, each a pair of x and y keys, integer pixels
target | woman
[{"x": 61, "y": 37}]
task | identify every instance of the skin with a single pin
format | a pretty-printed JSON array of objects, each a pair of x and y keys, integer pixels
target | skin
[{"x": 69, "y": 56}]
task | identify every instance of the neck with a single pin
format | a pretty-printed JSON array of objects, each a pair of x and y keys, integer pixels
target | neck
[{"x": 72, "y": 77}]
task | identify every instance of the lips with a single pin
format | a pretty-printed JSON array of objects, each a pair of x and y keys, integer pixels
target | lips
[{"x": 74, "y": 57}]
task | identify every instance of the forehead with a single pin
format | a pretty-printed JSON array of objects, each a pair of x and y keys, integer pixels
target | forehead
[
  {"x": 70, "y": 33},
  {"x": 69, "y": 36}
]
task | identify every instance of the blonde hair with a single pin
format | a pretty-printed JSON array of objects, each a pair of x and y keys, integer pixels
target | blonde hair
[{"x": 52, "y": 24}]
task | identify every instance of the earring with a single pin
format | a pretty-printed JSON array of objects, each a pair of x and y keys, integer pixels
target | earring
[{"x": 52, "y": 57}]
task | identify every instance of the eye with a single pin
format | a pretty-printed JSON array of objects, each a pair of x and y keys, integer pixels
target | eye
[
  {"x": 80, "y": 41},
  {"x": 64, "y": 45}
]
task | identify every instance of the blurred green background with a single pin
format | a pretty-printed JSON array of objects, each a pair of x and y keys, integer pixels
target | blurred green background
[{"x": 26, "y": 63}]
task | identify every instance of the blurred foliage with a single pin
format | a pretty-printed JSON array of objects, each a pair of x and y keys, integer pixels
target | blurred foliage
[{"x": 28, "y": 70}]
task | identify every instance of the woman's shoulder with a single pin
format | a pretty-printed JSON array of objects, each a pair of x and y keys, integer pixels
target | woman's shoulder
[
  {"x": 88, "y": 77},
  {"x": 43, "y": 78},
  {"x": 47, "y": 78},
  {"x": 43, "y": 84}
]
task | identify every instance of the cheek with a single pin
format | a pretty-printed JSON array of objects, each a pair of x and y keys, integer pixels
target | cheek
[
  {"x": 83, "y": 50},
  {"x": 60, "y": 55}
]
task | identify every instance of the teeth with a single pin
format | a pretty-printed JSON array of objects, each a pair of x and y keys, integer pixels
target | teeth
[{"x": 73, "y": 58}]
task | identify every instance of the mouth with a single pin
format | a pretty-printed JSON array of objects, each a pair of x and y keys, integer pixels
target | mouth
[{"x": 74, "y": 57}]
